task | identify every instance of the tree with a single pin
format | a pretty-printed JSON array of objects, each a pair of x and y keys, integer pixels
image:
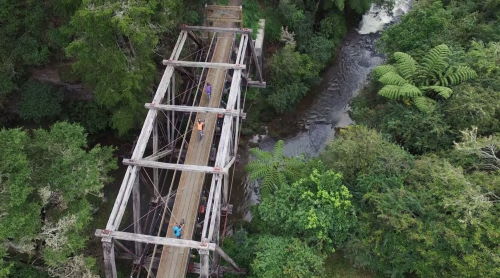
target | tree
[
  {"x": 291, "y": 75},
  {"x": 39, "y": 101},
  {"x": 49, "y": 181},
  {"x": 113, "y": 50},
  {"x": 419, "y": 82},
  {"x": 285, "y": 257},
  {"x": 316, "y": 208},
  {"x": 433, "y": 223},
  {"x": 359, "y": 151}
]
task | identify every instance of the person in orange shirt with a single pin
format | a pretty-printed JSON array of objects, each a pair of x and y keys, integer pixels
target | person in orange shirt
[{"x": 200, "y": 125}]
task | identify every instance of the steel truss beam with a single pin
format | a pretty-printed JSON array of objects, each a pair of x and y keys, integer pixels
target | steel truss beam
[
  {"x": 202, "y": 64},
  {"x": 174, "y": 166},
  {"x": 196, "y": 109},
  {"x": 184, "y": 243},
  {"x": 217, "y": 29}
]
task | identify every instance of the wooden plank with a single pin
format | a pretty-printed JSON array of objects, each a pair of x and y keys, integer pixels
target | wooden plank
[
  {"x": 183, "y": 243},
  {"x": 174, "y": 166},
  {"x": 217, "y": 29},
  {"x": 196, "y": 109},
  {"x": 220, "y": 7},
  {"x": 227, "y": 19},
  {"x": 192, "y": 64}
]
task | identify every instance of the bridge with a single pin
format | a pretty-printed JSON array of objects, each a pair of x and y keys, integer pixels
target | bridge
[{"x": 175, "y": 176}]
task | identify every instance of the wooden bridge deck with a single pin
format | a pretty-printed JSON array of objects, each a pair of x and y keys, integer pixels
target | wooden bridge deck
[{"x": 173, "y": 261}]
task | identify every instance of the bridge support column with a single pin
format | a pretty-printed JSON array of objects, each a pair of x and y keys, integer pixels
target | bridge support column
[
  {"x": 136, "y": 205},
  {"x": 205, "y": 263},
  {"x": 108, "y": 248}
]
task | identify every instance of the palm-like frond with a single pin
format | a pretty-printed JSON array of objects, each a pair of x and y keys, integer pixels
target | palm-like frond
[
  {"x": 398, "y": 92},
  {"x": 405, "y": 64},
  {"x": 444, "y": 92},
  {"x": 434, "y": 64},
  {"x": 410, "y": 91},
  {"x": 381, "y": 70},
  {"x": 424, "y": 104},
  {"x": 459, "y": 75},
  {"x": 268, "y": 166},
  {"x": 392, "y": 78},
  {"x": 390, "y": 91}
]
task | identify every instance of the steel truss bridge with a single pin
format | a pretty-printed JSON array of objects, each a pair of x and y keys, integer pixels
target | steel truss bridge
[{"x": 174, "y": 176}]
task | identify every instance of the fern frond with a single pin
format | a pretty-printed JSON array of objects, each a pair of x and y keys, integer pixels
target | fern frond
[
  {"x": 390, "y": 91},
  {"x": 409, "y": 91},
  {"x": 424, "y": 104},
  {"x": 435, "y": 62},
  {"x": 398, "y": 92},
  {"x": 444, "y": 92},
  {"x": 392, "y": 78},
  {"x": 278, "y": 150},
  {"x": 405, "y": 64},
  {"x": 381, "y": 70},
  {"x": 460, "y": 74}
]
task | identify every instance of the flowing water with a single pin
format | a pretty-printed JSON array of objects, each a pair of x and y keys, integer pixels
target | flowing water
[{"x": 329, "y": 109}]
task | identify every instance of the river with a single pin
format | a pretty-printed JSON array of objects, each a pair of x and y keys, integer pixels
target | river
[{"x": 327, "y": 108}]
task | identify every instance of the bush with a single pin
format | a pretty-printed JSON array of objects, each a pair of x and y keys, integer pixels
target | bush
[
  {"x": 291, "y": 75},
  {"x": 39, "y": 101}
]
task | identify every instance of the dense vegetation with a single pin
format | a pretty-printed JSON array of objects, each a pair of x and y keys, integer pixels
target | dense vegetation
[
  {"x": 412, "y": 189},
  {"x": 49, "y": 187},
  {"x": 110, "y": 46},
  {"x": 51, "y": 173}
]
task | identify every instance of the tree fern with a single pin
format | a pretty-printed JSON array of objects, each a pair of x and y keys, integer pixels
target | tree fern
[
  {"x": 390, "y": 91},
  {"x": 392, "y": 78},
  {"x": 434, "y": 63},
  {"x": 459, "y": 75},
  {"x": 271, "y": 168},
  {"x": 424, "y": 104},
  {"x": 444, "y": 92},
  {"x": 381, "y": 70},
  {"x": 405, "y": 64}
]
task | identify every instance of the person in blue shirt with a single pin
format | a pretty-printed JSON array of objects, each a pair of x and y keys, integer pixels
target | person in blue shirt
[{"x": 178, "y": 230}]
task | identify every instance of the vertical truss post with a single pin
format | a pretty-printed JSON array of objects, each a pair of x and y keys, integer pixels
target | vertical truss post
[
  {"x": 108, "y": 248},
  {"x": 155, "y": 151},
  {"x": 172, "y": 120},
  {"x": 136, "y": 206},
  {"x": 204, "y": 263}
]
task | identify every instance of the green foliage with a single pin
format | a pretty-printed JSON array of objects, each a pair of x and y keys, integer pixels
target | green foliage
[
  {"x": 273, "y": 169},
  {"x": 285, "y": 257},
  {"x": 39, "y": 101},
  {"x": 291, "y": 75},
  {"x": 19, "y": 215},
  {"x": 434, "y": 224},
  {"x": 320, "y": 49},
  {"x": 49, "y": 171},
  {"x": 418, "y": 29},
  {"x": 407, "y": 79},
  {"x": 240, "y": 247},
  {"x": 113, "y": 48},
  {"x": 333, "y": 27},
  {"x": 362, "y": 151},
  {"x": 473, "y": 106},
  {"x": 316, "y": 208},
  {"x": 92, "y": 116}
]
